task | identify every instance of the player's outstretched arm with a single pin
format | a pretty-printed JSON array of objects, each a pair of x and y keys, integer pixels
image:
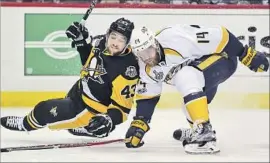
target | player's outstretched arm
[
  {"x": 80, "y": 39},
  {"x": 148, "y": 95}
]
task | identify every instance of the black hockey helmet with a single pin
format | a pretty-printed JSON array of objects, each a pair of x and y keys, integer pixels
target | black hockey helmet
[{"x": 123, "y": 26}]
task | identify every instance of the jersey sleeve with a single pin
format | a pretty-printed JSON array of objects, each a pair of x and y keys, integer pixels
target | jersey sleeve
[
  {"x": 123, "y": 93},
  {"x": 147, "y": 94},
  {"x": 84, "y": 52}
]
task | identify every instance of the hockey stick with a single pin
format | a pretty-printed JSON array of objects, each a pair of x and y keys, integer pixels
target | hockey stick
[
  {"x": 63, "y": 145},
  {"x": 88, "y": 12}
]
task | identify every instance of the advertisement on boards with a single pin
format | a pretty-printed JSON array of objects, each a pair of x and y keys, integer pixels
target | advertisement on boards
[{"x": 45, "y": 38}]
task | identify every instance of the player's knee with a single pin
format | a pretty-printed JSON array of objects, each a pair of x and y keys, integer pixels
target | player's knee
[
  {"x": 42, "y": 111},
  {"x": 189, "y": 80}
]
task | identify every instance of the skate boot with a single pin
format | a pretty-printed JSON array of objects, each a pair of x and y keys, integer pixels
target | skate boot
[
  {"x": 202, "y": 140},
  {"x": 13, "y": 123}
]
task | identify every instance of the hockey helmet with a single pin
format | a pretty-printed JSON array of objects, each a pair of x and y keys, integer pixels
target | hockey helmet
[
  {"x": 123, "y": 26},
  {"x": 142, "y": 38}
]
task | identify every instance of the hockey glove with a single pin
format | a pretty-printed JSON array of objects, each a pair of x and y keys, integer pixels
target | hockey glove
[
  {"x": 136, "y": 131},
  {"x": 254, "y": 60},
  {"x": 100, "y": 126},
  {"x": 78, "y": 33}
]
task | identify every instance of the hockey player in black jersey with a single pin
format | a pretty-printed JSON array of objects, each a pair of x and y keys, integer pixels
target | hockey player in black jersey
[{"x": 102, "y": 97}]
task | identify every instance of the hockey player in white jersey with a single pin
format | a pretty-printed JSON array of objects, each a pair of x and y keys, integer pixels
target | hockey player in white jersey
[{"x": 195, "y": 60}]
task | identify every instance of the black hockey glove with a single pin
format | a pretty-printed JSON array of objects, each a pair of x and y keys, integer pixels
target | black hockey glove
[
  {"x": 100, "y": 126},
  {"x": 136, "y": 131},
  {"x": 78, "y": 33}
]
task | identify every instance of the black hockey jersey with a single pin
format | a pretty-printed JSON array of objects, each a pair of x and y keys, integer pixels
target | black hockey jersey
[{"x": 107, "y": 83}]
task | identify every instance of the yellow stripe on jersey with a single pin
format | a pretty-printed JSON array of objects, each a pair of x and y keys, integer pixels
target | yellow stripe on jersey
[
  {"x": 144, "y": 97},
  {"x": 84, "y": 72},
  {"x": 224, "y": 40},
  {"x": 123, "y": 91},
  {"x": 159, "y": 31},
  {"x": 198, "y": 109},
  {"x": 94, "y": 104},
  {"x": 169, "y": 51},
  {"x": 209, "y": 61},
  {"x": 81, "y": 120}
]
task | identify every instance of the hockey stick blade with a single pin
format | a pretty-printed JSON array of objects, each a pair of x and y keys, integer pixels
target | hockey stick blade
[
  {"x": 63, "y": 145},
  {"x": 88, "y": 12}
]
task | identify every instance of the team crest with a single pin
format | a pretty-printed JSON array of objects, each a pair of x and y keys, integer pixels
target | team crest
[
  {"x": 131, "y": 71},
  {"x": 94, "y": 70},
  {"x": 158, "y": 75}
]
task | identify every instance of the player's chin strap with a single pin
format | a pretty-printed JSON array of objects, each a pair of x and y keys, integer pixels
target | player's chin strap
[{"x": 123, "y": 52}]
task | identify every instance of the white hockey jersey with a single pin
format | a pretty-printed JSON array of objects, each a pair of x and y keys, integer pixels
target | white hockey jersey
[{"x": 181, "y": 44}]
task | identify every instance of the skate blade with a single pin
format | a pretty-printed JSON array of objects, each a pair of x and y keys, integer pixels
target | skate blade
[{"x": 208, "y": 148}]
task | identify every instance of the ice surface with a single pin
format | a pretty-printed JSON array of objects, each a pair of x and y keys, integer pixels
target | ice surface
[{"x": 243, "y": 135}]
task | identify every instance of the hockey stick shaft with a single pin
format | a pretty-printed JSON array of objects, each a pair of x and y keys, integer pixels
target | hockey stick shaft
[
  {"x": 88, "y": 12},
  {"x": 63, "y": 145}
]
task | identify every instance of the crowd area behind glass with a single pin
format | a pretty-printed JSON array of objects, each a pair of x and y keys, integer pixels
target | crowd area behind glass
[{"x": 218, "y": 2}]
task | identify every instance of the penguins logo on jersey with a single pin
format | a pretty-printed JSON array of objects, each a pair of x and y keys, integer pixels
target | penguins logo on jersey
[{"x": 95, "y": 69}]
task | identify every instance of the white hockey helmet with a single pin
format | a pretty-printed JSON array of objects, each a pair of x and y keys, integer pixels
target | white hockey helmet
[
  {"x": 142, "y": 38},
  {"x": 145, "y": 46}
]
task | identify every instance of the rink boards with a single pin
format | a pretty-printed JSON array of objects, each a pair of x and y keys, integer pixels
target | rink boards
[{"x": 39, "y": 64}]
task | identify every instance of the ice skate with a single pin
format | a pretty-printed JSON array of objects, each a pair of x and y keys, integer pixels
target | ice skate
[
  {"x": 13, "y": 123},
  {"x": 202, "y": 140}
]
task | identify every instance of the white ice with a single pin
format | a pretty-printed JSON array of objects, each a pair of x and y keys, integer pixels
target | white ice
[{"x": 243, "y": 135}]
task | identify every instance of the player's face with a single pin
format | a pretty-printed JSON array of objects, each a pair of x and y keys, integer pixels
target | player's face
[
  {"x": 149, "y": 56},
  {"x": 116, "y": 43}
]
